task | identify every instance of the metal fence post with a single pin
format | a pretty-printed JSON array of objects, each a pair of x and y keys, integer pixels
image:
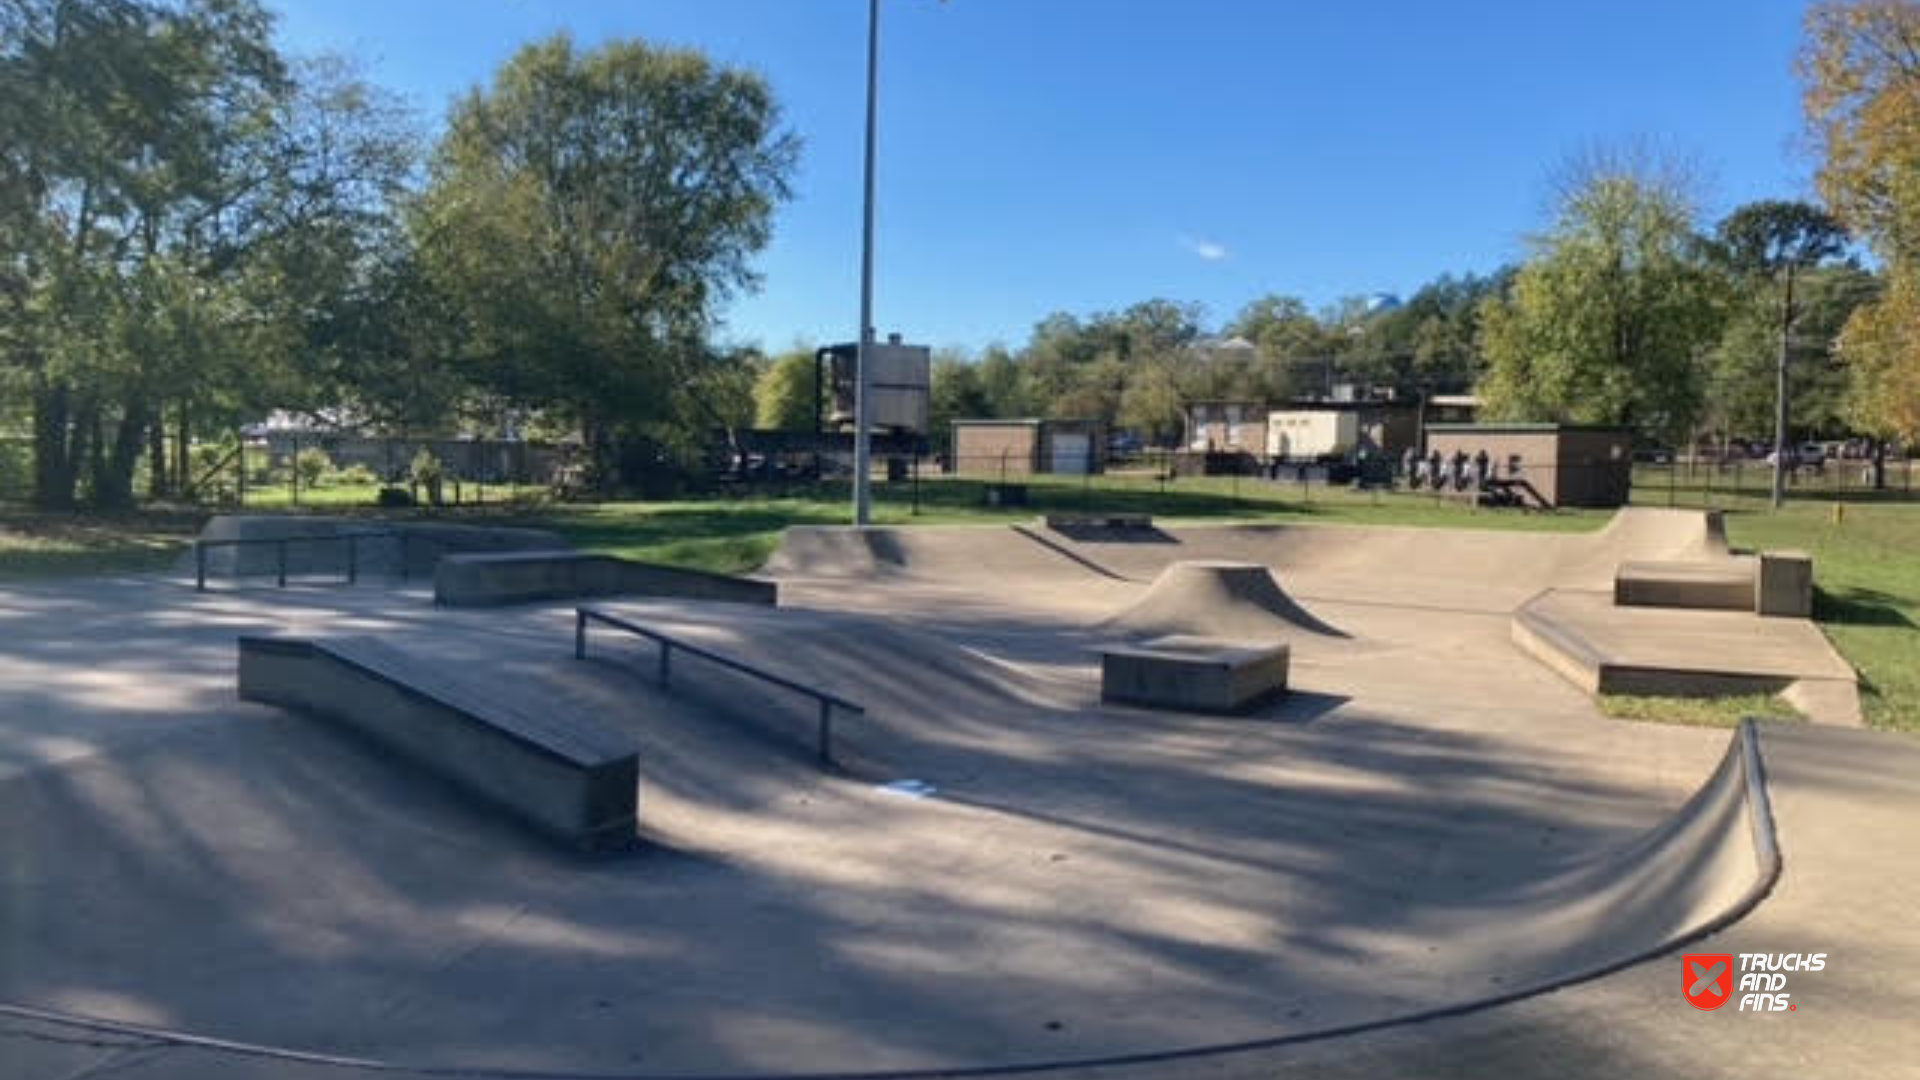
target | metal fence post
[
  {"x": 826, "y": 732},
  {"x": 280, "y": 555},
  {"x": 200, "y": 566},
  {"x": 666, "y": 653},
  {"x": 353, "y": 558},
  {"x": 579, "y": 635}
]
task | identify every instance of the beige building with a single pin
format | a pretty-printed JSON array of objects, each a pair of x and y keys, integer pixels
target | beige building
[
  {"x": 1566, "y": 464},
  {"x": 1025, "y": 447}
]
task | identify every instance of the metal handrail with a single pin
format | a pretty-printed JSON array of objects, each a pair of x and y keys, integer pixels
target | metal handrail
[
  {"x": 352, "y": 540},
  {"x": 827, "y": 701}
]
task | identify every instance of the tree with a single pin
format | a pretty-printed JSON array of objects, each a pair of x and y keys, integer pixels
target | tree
[
  {"x": 1772, "y": 241},
  {"x": 169, "y": 184},
  {"x": 784, "y": 395},
  {"x": 1860, "y": 70},
  {"x": 957, "y": 393},
  {"x": 1607, "y": 321},
  {"x": 586, "y": 215}
]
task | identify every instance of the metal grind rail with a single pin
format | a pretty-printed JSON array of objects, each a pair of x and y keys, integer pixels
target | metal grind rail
[
  {"x": 281, "y": 543},
  {"x": 827, "y": 702}
]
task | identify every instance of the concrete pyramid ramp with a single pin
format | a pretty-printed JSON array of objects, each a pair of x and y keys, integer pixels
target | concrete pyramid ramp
[{"x": 1219, "y": 599}]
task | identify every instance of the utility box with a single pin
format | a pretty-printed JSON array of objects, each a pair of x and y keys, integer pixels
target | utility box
[
  {"x": 1312, "y": 434},
  {"x": 900, "y": 381}
]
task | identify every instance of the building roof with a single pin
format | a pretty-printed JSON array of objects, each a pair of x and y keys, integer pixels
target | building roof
[{"x": 1526, "y": 428}]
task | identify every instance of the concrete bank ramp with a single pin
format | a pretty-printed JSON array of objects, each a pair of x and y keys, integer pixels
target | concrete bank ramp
[
  {"x": 1704, "y": 867},
  {"x": 1219, "y": 599}
]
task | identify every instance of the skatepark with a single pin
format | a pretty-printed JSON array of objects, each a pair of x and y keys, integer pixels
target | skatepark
[{"x": 883, "y": 812}]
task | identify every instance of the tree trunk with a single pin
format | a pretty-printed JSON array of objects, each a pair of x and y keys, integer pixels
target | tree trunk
[
  {"x": 183, "y": 451},
  {"x": 114, "y": 463},
  {"x": 53, "y": 471},
  {"x": 158, "y": 486}
]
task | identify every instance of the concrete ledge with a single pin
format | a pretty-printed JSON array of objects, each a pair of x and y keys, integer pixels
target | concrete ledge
[
  {"x": 488, "y": 580},
  {"x": 1714, "y": 586},
  {"x": 1193, "y": 674},
  {"x": 566, "y": 776},
  {"x": 1065, "y": 522},
  {"x": 1606, "y": 649},
  {"x": 1785, "y": 584}
]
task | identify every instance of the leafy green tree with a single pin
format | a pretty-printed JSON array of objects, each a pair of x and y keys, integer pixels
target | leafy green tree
[
  {"x": 957, "y": 393},
  {"x": 1772, "y": 242},
  {"x": 586, "y": 215},
  {"x": 1607, "y": 321},
  {"x": 784, "y": 395},
  {"x": 1859, "y": 66}
]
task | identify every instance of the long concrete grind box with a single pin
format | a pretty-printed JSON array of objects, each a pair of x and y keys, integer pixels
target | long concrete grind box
[
  {"x": 571, "y": 778},
  {"x": 1193, "y": 674},
  {"x": 491, "y": 579}
]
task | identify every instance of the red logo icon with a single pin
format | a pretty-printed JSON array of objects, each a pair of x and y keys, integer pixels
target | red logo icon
[{"x": 1707, "y": 979}]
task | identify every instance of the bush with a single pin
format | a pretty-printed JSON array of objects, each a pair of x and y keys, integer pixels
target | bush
[
  {"x": 312, "y": 465},
  {"x": 354, "y": 475},
  {"x": 426, "y": 469},
  {"x": 395, "y": 496}
]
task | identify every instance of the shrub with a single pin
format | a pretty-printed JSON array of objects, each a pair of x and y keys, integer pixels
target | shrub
[
  {"x": 395, "y": 496},
  {"x": 312, "y": 465},
  {"x": 425, "y": 470},
  {"x": 356, "y": 475}
]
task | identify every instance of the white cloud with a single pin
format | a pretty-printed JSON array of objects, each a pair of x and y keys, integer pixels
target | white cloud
[{"x": 1210, "y": 250}]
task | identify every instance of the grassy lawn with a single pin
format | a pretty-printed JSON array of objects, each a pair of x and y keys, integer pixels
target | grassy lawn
[
  {"x": 35, "y": 544},
  {"x": 1866, "y": 569},
  {"x": 731, "y": 535},
  {"x": 1724, "y": 712}
]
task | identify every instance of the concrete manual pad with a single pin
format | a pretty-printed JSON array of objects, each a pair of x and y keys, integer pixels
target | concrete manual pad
[{"x": 1193, "y": 673}]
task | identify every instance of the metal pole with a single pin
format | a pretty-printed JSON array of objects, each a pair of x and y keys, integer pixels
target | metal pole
[
  {"x": 1779, "y": 493},
  {"x": 862, "y": 510},
  {"x": 826, "y": 732},
  {"x": 200, "y": 566},
  {"x": 281, "y": 550},
  {"x": 579, "y": 635}
]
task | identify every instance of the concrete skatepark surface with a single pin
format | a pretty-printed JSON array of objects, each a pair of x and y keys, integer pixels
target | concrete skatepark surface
[{"x": 1431, "y": 819}]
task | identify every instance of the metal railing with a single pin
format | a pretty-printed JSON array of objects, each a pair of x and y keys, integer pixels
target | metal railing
[
  {"x": 281, "y": 543},
  {"x": 827, "y": 702}
]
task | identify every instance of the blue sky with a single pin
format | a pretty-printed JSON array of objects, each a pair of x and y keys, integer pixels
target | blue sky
[{"x": 1079, "y": 155}]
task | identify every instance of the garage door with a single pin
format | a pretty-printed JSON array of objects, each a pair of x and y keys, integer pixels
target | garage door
[{"x": 1072, "y": 452}]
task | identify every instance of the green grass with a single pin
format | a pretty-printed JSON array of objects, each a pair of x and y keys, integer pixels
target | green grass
[
  {"x": 36, "y": 545},
  {"x": 730, "y": 535},
  {"x": 1866, "y": 570},
  {"x": 1724, "y": 712}
]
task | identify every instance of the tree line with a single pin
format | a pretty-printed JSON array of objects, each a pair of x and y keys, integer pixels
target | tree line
[
  {"x": 197, "y": 228},
  {"x": 1630, "y": 306}
]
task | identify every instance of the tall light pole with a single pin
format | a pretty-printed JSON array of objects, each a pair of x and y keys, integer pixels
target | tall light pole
[{"x": 863, "y": 375}]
